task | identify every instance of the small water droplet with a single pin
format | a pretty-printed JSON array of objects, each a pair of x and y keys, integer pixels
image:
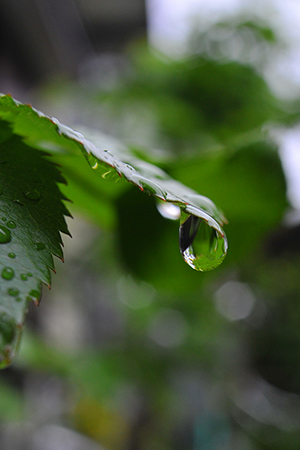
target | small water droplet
[
  {"x": 7, "y": 273},
  {"x": 18, "y": 202},
  {"x": 202, "y": 247},
  {"x": 30, "y": 274},
  {"x": 168, "y": 210},
  {"x": 32, "y": 195},
  {"x": 18, "y": 299},
  {"x": 11, "y": 224},
  {"x": 4, "y": 219},
  {"x": 39, "y": 246},
  {"x": 13, "y": 292},
  {"x": 24, "y": 277},
  {"x": 12, "y": 255},
  {"x": 5, "y": 235}
]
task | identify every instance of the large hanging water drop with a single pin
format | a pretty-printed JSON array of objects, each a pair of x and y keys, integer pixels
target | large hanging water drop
[{"x": 202, "y": 246}]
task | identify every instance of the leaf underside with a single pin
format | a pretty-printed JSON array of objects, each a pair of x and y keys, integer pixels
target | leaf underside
[
  {"x": 107, "y": 156},
  {"x": 31, "y": 218}
]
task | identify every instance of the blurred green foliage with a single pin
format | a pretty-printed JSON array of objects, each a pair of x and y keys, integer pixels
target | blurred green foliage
[{"x": 170, "y": 361}]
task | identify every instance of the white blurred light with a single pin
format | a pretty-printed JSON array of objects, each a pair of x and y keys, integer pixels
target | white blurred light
[
  {"x": 234, "y": 300},
  {"x": 290, "y": 157},
  {"x": 168, "y": 210},
  {"x": 267, "y": 404},
  {"x": 170, "y": 21}
]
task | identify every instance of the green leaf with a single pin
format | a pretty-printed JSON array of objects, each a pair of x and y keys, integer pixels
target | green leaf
[
  {"x": 32, "y": 212},
  {"x": 31, "y": 216},
  {"x": 112, "y": 160}
]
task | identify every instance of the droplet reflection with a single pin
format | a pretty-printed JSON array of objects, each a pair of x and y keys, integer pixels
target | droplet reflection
[{"x": 202, "y": 246}]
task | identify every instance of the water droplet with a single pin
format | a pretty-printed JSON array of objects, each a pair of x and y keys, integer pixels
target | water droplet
[
  {"x": 7, "y": 273},
  {"x": 5, "y": 235},
  {"x": 24, "y": 277},
  {"x": 4, "y": 219},
  {"x": 39, "y": 246},
  {"x": 168, "y": 210},
  {"x": 18, "y": 299},
  {"x": 13, "y": 292},
  {"x": 30, "y": 274},
  {"x": 32, "y": 195},
  {"x": 202, "y": 247},
  {"x": 147, "y": 188},
  {"x": 18, "y": 202},
  {"x": 12, "y": 255},
  {"x": 11, "y": 224}
]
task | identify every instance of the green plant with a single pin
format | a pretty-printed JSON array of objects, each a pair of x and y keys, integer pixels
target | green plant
[
  {"x": 32, "y": 211},
  {"x": 158, "y": 355},
  {"x": 214, "y": 109}
]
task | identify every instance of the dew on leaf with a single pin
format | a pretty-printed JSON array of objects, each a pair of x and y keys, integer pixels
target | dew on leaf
[
  {"x": 11, "y": 255},
  {"x": 30, "y": 274},
  {"x": 5, "y": 235},
  {"x": 39, "y": 246},
  {"x": 7, "y": 273},
  {"x": 11, "y": 224},
  {"x": 18, "y": 202},
  {"x": 147, "y": 188},
  {"x": 32, "y": 195},
  {"x": 202, "y": 246},
  {"x": 4, "y": 219},
  {"x": 24, "y": 277},
  {"x": 13, "y": 292}
]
